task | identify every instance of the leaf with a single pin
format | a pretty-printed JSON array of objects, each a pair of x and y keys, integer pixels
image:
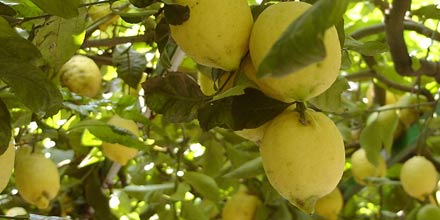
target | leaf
[
  {"x": 378, "y": 133},
  {"x": 64, "y": 9},
  {"x": 30, "y": 85},
  {"x": 176, "y": 14},
  {"x": 110, "y": 133},
  {"x": 368, "y": 48},
  {"x": 203, "y": 184},
  {"x": 130, "y": 65},
  {"x": 249, "y": 110},
  {"x": 148, "y": 188},
  {"x": 5, "y": 127},
  {"x": 58, "y": 39},
  {"x": 331, "y": 100},
  {"x": 301, "y": 45},
  {"x": 190, "y": 210},
  {"x": 14, "y": 46},
  {"x": 96, "y": 198},
  {"x": 6, "y": 10},
  {"x": 428, "y": 12},
  {"x": 175, "y": 95},
  {"x": 249, "y": 169}
]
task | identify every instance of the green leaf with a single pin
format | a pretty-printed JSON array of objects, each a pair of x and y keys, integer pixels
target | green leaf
[
  {"x": 6, "y": 10},
  {"x": 31, "y": 86},
  {"x": 14, "y": 46},
  {"x": 203, "y": 184},
  {"x": 302, "y": 42},
  {"x": 64, "y": 9},
  {"x": 428, "y": 12},
  {"x": 110, "y": 133},
  {"x": 181, "y": 191},
  {"x": 190, "y": 210},
  {"x": 249, "y": 169},
  {"x": 130, "y": 65},
  {"x": 249, "y": 110},
  {"x": 58, "y": 39},
  {"x": 368, "y": 48},
  {"x": 378, "y": 134},
  {"x": 5, "y": 127},
  {"x": 175, "y": 95},
  {"x": 96, "y": 198},
  {"x": 331, "y": 100},
  {"x": 176, "y": 14},
  {"x": 148, "y": 188}
]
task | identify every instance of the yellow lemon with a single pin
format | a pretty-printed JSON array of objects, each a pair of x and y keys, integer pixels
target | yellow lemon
[
  {"x": 418, "y": 177},
  {"x": 307, "y": 82},
  {"x": 6, "y": 164},
  {"x": 361, "y": 168},
  {"x": 216, "y": 33},
  {"x": 81, "y": 75},
  {"x": 36, "y": 177},
  {"x": 241, "y": 206},
  {"x": 303, "y": 161},
  {"x": 117, "y": 152},
  {"x": 330, "y": 205}
]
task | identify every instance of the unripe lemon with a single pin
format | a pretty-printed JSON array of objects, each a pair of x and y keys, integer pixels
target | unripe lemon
[
  {"x": 36, "y": 177},
  {"x": 429, "y": 212},
  {"x": 303, "y": 161},
  {"x": 216, "y": 33},
  {"x": 307, "y": 82},
  {"x": 117, "y": 152},
  {"x": 209, "y": 87},
  {"x": 241, "y": 206},
  {"x": 81, "y": 75},
  {"x": 330, "y": 205},
  {"x": 418, "y": 177},
  {"x": 362, "y": 168},
  {"x": 6, "y": 164}
]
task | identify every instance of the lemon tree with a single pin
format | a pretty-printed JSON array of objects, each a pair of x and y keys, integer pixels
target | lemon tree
[{"x": 168, "y": 109}]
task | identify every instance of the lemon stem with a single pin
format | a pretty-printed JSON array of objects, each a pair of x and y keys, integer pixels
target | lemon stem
[{"x": 301, "y": 109}]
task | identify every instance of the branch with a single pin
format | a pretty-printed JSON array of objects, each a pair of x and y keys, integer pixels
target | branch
[{"x": 110, "y": 42}]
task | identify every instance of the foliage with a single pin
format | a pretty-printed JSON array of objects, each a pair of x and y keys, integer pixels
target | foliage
[{"x": 190, "y": 161}]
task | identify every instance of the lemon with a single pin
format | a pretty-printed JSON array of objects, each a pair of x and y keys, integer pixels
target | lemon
[
  {"x": 303, "y": 161},
  {"x": 117, "y": 152},
  {"x": 241, "y": 206},
  {"x": 6, "y": 164},
  {"x": 330, "y": 205},
  {"x": 407, "y": 116},
  {"x": 428, "y": 212},
  {"x": 36, "y": 177},
  {"x": 81, "y": 75},
  {"x": 307, "y": 82},
  {"x": 216, "y": 33},
  {"x": 210, "y": 87},
  {"x": 418, "y": 177},
  {"x": 362, "y": 168}
]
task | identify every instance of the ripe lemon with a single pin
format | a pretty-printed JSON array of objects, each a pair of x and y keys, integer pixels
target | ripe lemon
[
  {"x": 361, "y": 168},
  {"x": 330, "y": 205},
  {"x": 81, "y": 75},
  {"x": 209, "y": 87},
  {"x": 303, "y": 162},
  {"x": 36, "y": 177},
  {"x": 241, "y": 206},
  {"x": 216, "y": 33},
  {"x": 117, "y": 152},
  {"x": 307, "y": 82},
  {"x": 428, "y": 212},
  {"x": 6, "y": 164},
  {"x": 418, "y": 177}
]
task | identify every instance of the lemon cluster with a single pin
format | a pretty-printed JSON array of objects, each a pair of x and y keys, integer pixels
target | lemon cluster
[{"x": 302, "y": 151}]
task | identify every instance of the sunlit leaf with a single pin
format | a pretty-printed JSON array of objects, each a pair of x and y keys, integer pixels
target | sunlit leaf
[
  {"x": 64, "y": 9},
  {"x": 203, "y": 184}
]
